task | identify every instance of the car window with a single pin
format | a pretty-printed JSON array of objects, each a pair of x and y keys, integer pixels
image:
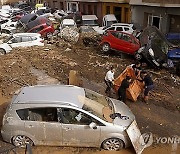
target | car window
[
  {"x": 16, "y": 40},
  {"x": 71, "y": 116},
  {"x": 110, "y": 28},
  {"x": 126, "y": 37},
  {"x": 26, "y": 39},
  {"x": 38, "y": 114},
  {"x": 33, "y": 38},
  {"x": 119, "y": 29},
  {"x": 126, "y": 29}
]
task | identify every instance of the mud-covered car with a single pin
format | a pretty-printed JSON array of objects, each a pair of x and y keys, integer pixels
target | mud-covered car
[
  {"x": 65, "y": 115},
  {"x": 156, "y": 49}
]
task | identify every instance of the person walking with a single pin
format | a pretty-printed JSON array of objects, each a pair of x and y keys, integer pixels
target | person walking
[
  {"x": 109, "y": 78},
  {"x": 148, "y": 85},
  {"x": 122, "y": 89}
]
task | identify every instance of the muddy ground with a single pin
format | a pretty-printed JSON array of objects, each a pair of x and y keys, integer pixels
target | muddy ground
[{"x": 19, "y": 68}]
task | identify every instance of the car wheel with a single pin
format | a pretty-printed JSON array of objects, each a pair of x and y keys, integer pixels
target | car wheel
[
  {"x": 2, "y": 52},
  {"x": 21, "y": 141},
  {"x": 49, "y": 35},
  {"x": 113, "y": 144},
  {"x": 138, "y": 56},
  {"x": 105, "y": 47}
]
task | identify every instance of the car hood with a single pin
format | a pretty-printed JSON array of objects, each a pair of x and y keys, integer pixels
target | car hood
[{"x": 126, "y": 118}]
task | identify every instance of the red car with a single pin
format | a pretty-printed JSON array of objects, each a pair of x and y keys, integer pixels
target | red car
[
  {"x": 120, "y": 41},
  {"x": 46, "y": 30}
]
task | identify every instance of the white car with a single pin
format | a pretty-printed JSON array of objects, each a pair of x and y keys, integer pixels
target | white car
[
  {"x": 68, "y": 23},
  {"x": 124, "y": 27},
  {"x": 8, "y": 31},
  {"x": 7, "y": 23},
  {"x": 21, "y": 40},
  {"x": 59, "y": 14}
]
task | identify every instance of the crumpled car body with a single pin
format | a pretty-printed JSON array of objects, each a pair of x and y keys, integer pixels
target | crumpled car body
[{"x": 156, "y": 49}]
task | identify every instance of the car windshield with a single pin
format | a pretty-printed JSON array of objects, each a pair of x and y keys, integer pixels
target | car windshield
[
  {"x": 90, "y": 22},
  {"x": 97, "y": 104},
  {"x": 109, "y": 23}
]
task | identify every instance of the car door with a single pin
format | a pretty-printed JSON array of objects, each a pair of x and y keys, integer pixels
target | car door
[
  {"x": 127, "y": 44},
  {"x": 117, "y": 43},
  {"x": 43, "y": 124},
  {"x": 76, "y": 130}
]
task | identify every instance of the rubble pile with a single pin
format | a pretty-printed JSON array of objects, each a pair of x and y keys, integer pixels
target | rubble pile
[{"x": 69, "y": 34}]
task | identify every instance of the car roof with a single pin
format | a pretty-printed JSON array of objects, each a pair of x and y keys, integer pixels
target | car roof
[
  {"x": 122, "y": 24},
  {"x": 68, "y": 21},
  {"x": 89, "y": 17},
  {"x": 56, "y": 94},
  {"x": 26, "y": 34}
]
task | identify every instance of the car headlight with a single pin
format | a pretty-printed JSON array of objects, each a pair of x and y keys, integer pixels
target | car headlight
[{"x": 151, "y": 52}]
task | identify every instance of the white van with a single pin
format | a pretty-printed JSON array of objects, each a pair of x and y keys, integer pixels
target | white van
[
  {"x": 109, "y": 19},
  {"x": 89, "y": 20}
]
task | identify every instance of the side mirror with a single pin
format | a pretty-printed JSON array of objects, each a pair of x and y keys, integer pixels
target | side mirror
[{"x": 93, "y": 125}]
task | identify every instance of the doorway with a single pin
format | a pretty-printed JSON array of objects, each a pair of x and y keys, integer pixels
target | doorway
[{"x": 117, "y": 13}]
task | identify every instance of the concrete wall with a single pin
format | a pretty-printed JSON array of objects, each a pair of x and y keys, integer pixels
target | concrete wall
[{"x": 140, "y": 19}]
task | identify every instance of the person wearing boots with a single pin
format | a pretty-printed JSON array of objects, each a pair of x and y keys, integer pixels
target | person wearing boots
[
  {"x": 109, "y": 78},
  {"x": 149, "y": 85},
  {"x": 122, "y": 89}
]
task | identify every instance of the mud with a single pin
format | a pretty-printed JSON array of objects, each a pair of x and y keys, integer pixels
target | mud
[{"x": 51, "y": 64}]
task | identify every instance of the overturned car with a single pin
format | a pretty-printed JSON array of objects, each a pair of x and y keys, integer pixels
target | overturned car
[{"x": 156, "y": 49}]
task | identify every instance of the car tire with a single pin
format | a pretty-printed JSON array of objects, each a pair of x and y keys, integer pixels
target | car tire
[
  {"x": 114, "y": 144},
  {"x": 21, "y": 141},
  {"x": 49, "y": 35},
  {"x": 138, "y": 56},
  {"x": 2, "y": 51},
  {"x": 105, "y": 47}
]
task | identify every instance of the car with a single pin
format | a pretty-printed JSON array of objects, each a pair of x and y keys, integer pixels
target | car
[
  {"x": 21, "y": 40},
  {"x": 8, "y": 31},
  {"x": 120, "y": 41},
  {"x": 66, "y": 115},
  {"x": 8, "y": 23},
  {"x": 58, "y": 14},
  {"x": 128, "y": 28},
  {"x": 89, "y": 20},
  {"x": 46, "y": 30},
  {"x": 156, "y": 49},
  {"x": 68, "y": 23}
]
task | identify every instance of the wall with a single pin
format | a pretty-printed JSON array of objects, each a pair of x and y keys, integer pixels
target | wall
[
  {"x": 125, "y": 16},
  {"x": 140, "y": 20}
]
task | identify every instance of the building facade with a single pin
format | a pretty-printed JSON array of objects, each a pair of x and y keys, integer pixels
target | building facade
[
  {"x": 164, "y": 14},
  {"x": 120, "y": 8}
]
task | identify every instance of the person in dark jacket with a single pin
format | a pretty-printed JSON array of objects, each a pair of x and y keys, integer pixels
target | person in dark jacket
[
  {"x": 122, "y": 89},
  {"x": 148, "y": 84}
]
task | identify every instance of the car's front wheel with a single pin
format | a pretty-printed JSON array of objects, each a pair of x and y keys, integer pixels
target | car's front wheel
[
  {"x": 105, "y": 47},
  {"x": 2, "y": 51},
  {"x": 114, "y": 144},
  {"x": 21, "y": 141}
]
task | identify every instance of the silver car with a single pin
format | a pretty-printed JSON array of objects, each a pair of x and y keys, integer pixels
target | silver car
[{"x": 63, "y": 115}]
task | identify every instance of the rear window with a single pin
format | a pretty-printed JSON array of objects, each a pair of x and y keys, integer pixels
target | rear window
[{"x": 38, "y": 114}]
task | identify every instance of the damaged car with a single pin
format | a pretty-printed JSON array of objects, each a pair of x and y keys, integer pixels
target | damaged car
[
  {"x": 20, "y": 40},
  {"x": 120, "y": 41},
  {"x": 65, "y": 115},
  {"x": 156, "y": 49}
]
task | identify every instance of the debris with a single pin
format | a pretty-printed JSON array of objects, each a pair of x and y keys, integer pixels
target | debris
[{"x": 68, "y": 49}]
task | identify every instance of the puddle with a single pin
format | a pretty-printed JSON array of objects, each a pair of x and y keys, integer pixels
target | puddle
[{"x": 42, "y": 77}]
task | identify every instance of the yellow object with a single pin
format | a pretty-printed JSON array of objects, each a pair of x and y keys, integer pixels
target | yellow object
[{"x": 39, "y": 5}]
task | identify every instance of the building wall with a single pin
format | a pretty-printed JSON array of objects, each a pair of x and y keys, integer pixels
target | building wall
[
  {"x": 140, "y": 16},
  {"x": 124, "y": 11},
  {"x": 59, "y": 4},
  {"x": 162, "y": 1},
  {"x": 92, "y": 8}
]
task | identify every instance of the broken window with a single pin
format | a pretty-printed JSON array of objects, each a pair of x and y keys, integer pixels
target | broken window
[{"x": 38, "y": 114}]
